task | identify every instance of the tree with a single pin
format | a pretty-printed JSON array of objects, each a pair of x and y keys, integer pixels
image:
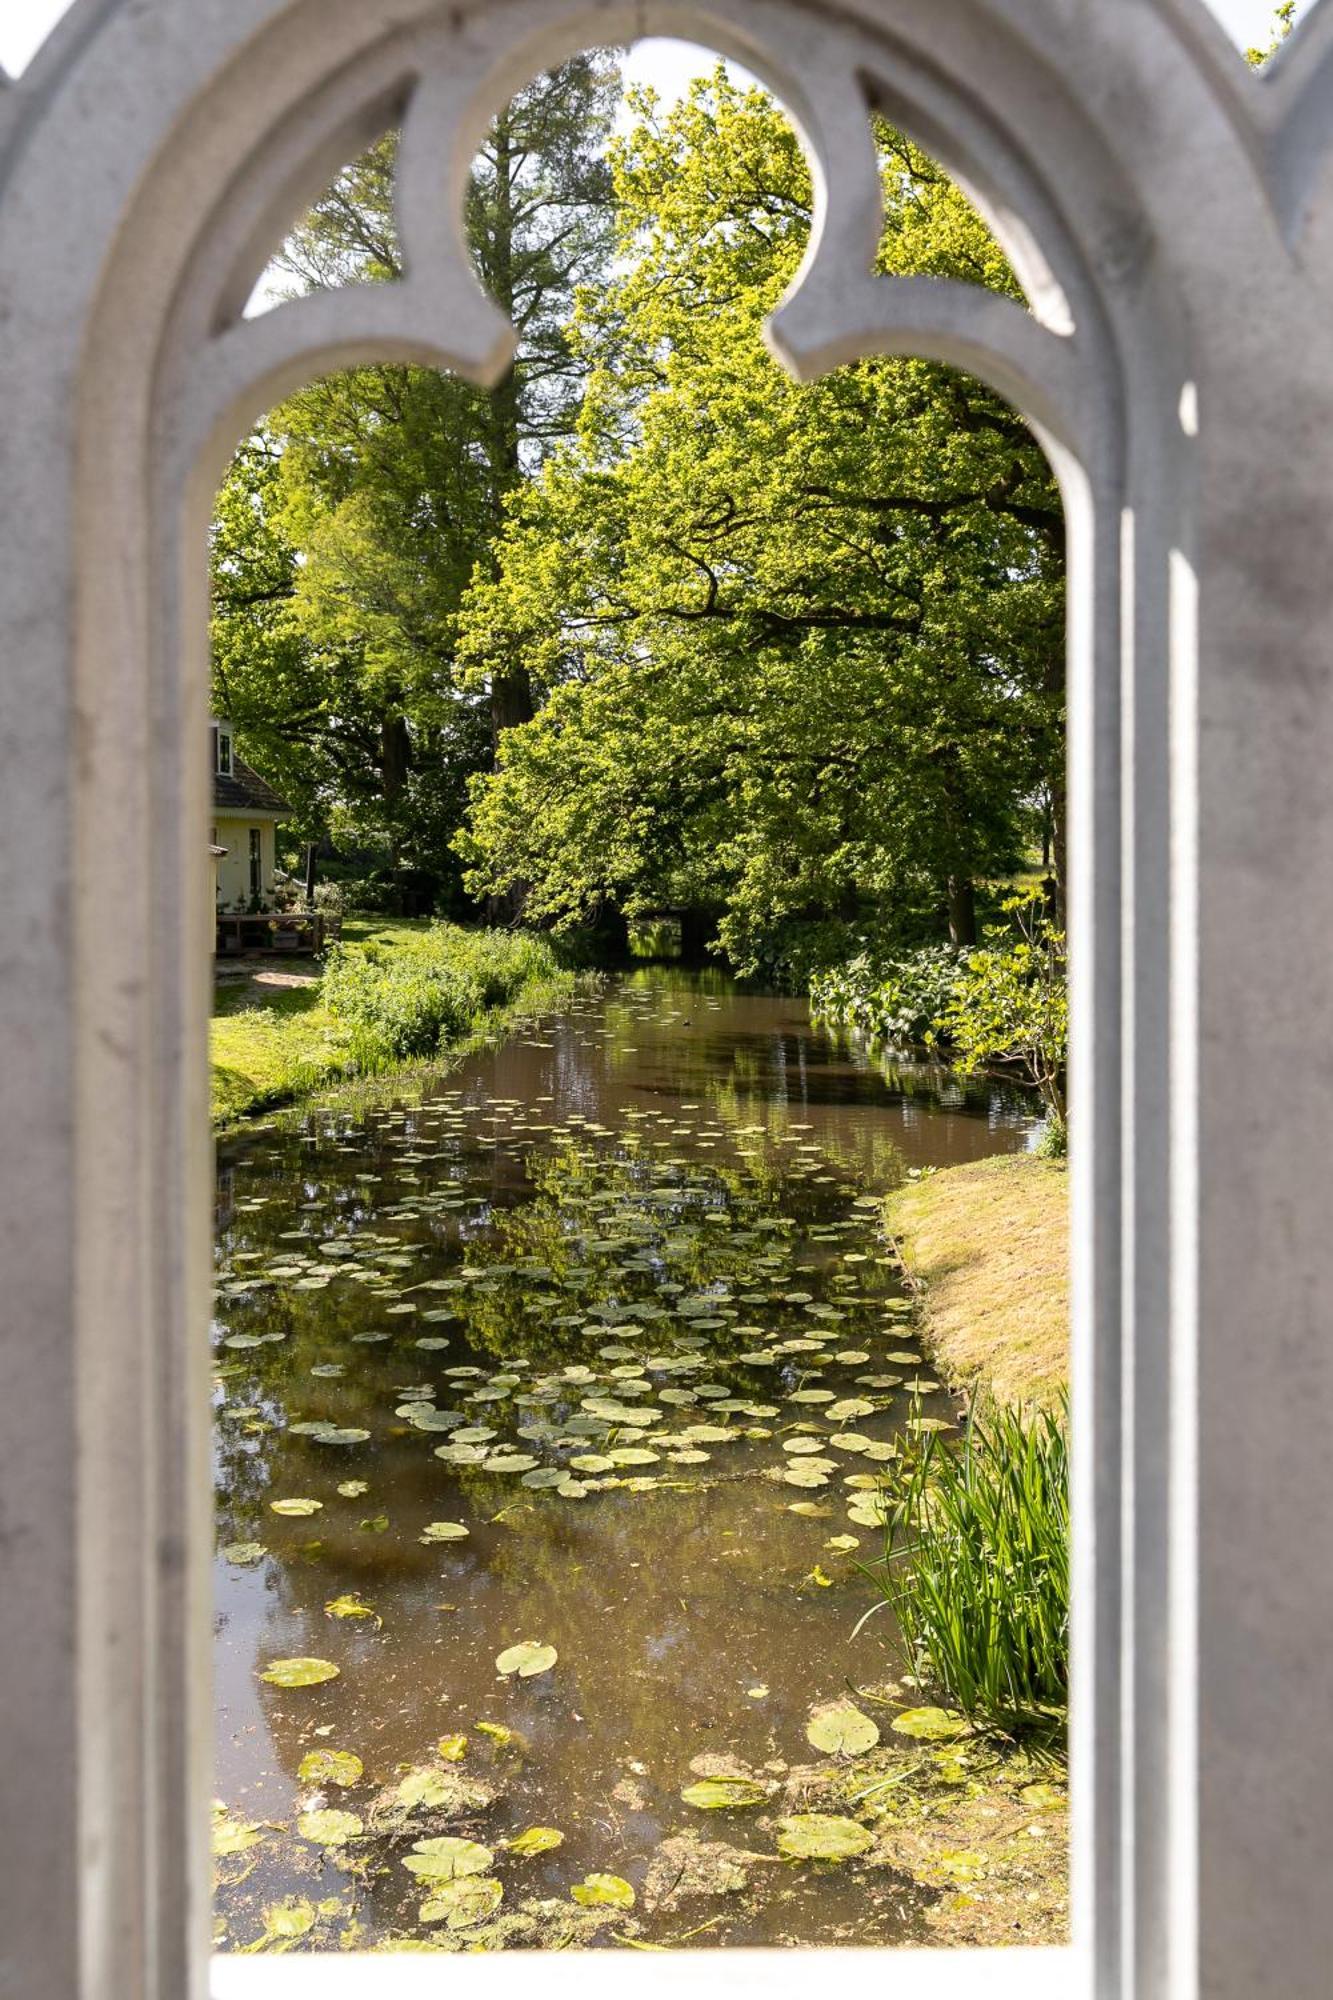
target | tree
[
  {"x": 800, "y": 650},
  {"x": 351, "y": 526}
]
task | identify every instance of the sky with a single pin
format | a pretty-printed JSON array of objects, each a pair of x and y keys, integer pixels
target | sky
[{"x": 667, "y": 65}]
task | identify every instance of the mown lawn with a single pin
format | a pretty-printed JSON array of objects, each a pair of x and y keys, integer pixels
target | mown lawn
[{"x": 988, "y": 1245}]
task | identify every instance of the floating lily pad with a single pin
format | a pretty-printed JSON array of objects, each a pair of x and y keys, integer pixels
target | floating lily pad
[
  {"x": 244, "y": 1554},
  {"x": 841, "y": 1730},
  {"x": 822, "y": 1837},
  {"x": 298, "y": 1509},
  {"x": 330, "y": 1767},
  {"x": 536, "y": 1840},
  {"x": 425, "y": 1788},
  {"x": 447, "y": 1858},
  {"x": 930, "y": 1725},
  {"x": 443, "y": 1531},
  {"x": 596, "y": 1890},
  {"x": 352, "y": 1489},
  {"x": 299, "y": 1673},
  {"x": 288, "y": 1920},
  {"x": 231, "y": 1836},
  {"x": 350, "y": 1606},
  {"x": 527, "y": 1659},
  {"x": 725, "y": 1794},
  {"x": 329, "y": 1828},
  {"x": 463, "y": 1903}
]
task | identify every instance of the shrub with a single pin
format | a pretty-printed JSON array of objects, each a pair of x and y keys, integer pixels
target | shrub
[
  {"x": 899, "y": 1001},
  {"x": 408, "y": 998},
  {"x": 976, "y": 1566},
  {"x": 1011, "y": 1005}
]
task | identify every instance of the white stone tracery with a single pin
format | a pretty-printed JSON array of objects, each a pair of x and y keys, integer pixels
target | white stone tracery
[{"x": 1170, "y": 216}]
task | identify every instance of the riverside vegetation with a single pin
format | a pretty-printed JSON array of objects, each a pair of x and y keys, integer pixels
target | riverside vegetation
[
  {"x": 390, "y": 993},
  {"x": 598, "y": 1332}
]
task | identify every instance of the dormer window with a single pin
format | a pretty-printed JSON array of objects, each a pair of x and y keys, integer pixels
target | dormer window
[{"x": 221, "y": 733}]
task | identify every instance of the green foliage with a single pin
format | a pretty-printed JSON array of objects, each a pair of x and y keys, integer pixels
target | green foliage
[
  {"x": 1284, "y": 20},
  {"x": 799, "y": 650},
  {"x": 900, "y": 1001},
  {"x": 350, "y": 526},
  {"x": 1012, "y": 1004},
  {"x": 410, "y": 997},
  {"x": 976, "y": 1565}
]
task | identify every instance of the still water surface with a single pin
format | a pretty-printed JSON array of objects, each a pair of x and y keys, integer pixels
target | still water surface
[{"x": 580, "y": 1345}]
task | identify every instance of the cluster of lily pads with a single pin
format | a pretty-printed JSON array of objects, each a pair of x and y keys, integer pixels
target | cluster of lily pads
[
  {"x": 561, "y": 1308},
  {"x": 455, "y": 1871}
]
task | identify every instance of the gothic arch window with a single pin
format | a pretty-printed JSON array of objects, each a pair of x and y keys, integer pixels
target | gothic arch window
[{"x": 1169, "y": 218}]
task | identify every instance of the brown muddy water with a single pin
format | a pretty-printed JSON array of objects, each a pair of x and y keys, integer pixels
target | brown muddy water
[{"x": 593, "y": 1343}]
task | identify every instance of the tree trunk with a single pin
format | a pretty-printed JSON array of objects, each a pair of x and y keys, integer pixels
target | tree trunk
[
  {"x": 511, "y": 703},
  {"x": 511, "y": 692},
  {"x": 962, "y": 910}
]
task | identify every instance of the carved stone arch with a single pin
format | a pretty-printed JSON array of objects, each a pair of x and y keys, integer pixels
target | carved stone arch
[{"x": 1168, "y": 215}]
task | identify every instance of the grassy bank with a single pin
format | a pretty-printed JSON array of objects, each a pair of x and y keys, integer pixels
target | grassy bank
[
  {"x": 987, "y": 1246},
  {"x": 389, "y": 994}
]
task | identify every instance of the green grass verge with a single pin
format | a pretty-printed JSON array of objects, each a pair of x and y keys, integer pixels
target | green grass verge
[
  {"x": 288, "y": 1045},
  {"x": 987, "y": 1246}
]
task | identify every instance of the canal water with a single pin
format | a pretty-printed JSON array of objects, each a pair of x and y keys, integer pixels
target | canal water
[{"x": 551, "y": 1402}]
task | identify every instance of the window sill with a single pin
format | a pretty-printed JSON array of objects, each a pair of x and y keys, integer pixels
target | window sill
[{"x": 1014, "y": 1973}]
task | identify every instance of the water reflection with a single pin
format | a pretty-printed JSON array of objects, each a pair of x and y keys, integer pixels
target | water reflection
[{"x": 611, "y": 1300}]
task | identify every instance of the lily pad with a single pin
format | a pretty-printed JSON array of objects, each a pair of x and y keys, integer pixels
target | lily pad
[
  {"x": 232, "y": 1836},
  {"x": 288, "y": 1920},
  {"x": 443, "y": 1531},
  {"x": 425, "y": 1788},
  {"x": 596, "y": 1890},
  {"x": 352, "y": 1489},
  {"x": 536, "y": 1840},
  {"x": 527, "y": 1659},
  {"x": 330, "y": 1767},
  {"x": 244, "y": 1554},
  {"x": 460, "y": 1904},
  {"x": 350, "y": 1606},
  {"x": 448, "y": 1858},
  {"x": 930, "y": 1725},
  {"x": 725, "y": 1794},
  {"x": 299, "y": 1673},
  {"x": 329, "y": 1828},
  {"x": 822, "y": 1837},
  {"x": 298, "y": 1509},
  {"x": 841, "y": 1730}
]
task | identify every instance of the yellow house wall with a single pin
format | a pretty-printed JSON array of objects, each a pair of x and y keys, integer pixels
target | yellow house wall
[{"x": 232, "y": 831}]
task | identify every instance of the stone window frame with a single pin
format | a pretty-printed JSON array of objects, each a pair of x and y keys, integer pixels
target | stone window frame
[{"x": 1170, "y": 217}]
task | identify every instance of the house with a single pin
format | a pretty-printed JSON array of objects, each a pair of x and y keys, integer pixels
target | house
[{"x": 246, "y": 811}]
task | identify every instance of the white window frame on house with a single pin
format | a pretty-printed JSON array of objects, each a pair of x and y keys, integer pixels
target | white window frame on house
[{"x": 1171, "y": 218}]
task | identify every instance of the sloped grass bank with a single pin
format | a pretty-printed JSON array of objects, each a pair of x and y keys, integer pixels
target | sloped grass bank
[
  {"x": 389, "y": 994},
  {"x": 987, "y": 1248}
]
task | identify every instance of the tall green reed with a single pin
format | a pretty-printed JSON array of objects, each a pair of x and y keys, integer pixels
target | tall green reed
[{"x": 976, "y": 1566}]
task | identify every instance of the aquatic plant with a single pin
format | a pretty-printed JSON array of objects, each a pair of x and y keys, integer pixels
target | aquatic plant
[
  {"x": 899, "y": 1001},
  {"x": 976, "y": 1565}
]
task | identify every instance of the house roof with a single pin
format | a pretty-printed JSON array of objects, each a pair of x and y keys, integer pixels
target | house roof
[{"x": 244, "y": 791}]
